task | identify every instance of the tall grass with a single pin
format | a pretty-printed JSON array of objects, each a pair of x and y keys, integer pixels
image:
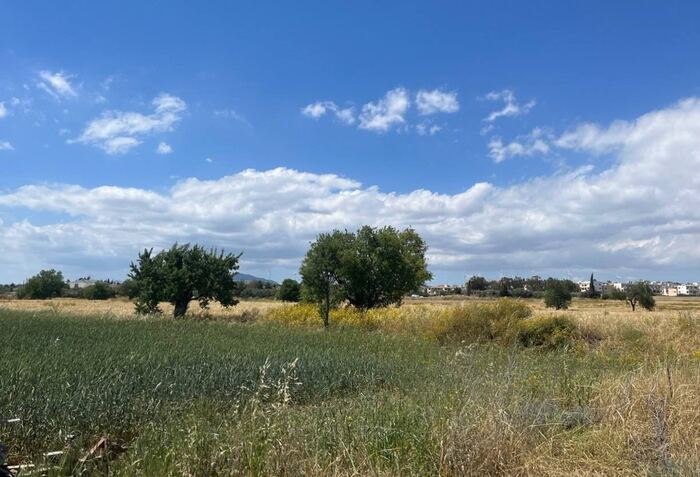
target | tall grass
[{"x": 475, "y": 389}]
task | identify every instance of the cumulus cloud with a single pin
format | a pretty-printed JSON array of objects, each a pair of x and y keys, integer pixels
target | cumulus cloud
[
  {"x": 6, "y": 146},
  {"x": 637, "y": 217},
  {"x": 386, "y": 113},
  {"x": 511, "y": 106},
  {"x": 117, "y": 132},
  {"x": 58, "y": 85},
  {"x": 164, "y": 148},
  {"x": 436, "y": 101},
  {"x": 320, "y": 108},
  {"x": 390, "y": 112},
  {"x": 3, "y": 110},
  {"x": 529, "y": 145}
]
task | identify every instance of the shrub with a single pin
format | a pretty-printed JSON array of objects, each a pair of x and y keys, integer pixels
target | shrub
[
  {"x": 289, "y": 290},
  {"x": 484, "y": 322},
  {"x": 99, "y": 291},
  {"x": 615, "y": 295},
  {"x": 522, "y": 293},
  {"x": 548, "y": 332},
  {"x": 470, "y": 323},
  {"x": 128, "y": 288}
]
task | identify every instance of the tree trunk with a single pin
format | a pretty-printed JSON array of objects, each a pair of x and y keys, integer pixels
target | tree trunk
[
  {"x": 326, "y": 308},
  {"x": 181, "y": 307}
]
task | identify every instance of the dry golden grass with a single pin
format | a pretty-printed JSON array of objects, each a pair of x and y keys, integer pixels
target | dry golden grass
[{"x": 123, "y": 308}]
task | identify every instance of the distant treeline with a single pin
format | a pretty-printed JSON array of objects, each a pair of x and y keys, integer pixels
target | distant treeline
[
  {"x": 532, "y": 287},
  {"x": 51, "y": 284}
]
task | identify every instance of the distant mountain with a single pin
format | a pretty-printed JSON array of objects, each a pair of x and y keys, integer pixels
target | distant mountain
[{"x": 244, "y": 277}]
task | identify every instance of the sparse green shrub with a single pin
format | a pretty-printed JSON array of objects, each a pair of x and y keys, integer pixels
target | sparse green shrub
[
  {"x": 99, "y": 291},
  {"x": 548, "y": 332}
]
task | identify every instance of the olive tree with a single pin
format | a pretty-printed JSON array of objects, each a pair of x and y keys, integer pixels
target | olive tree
[
  {"x": 557, "y": 295},
  {"x": 641, "y": 294},
  {"x": 181, "y": 274},
  {"x": 371, "y": 268},
  {"x": 321, "y": 271}
]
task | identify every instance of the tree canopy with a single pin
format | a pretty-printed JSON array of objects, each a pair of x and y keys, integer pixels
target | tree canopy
[
  {"x": 370, "y": 268},
  {"x": 557, "y": 295},
  {"x": 640, "y": 293},
  {"x": 45, "y": 284},
  {"x": 321, "y": 270},
  {"x": 289, "y": 290},
  {"x": 476, "y": 283},
  {"x": 591, "y": 292},
  {"x": 181, "y": 274}
]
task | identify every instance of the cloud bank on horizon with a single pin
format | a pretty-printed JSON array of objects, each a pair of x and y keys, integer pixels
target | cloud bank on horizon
[{"x": 635, "y": 215}]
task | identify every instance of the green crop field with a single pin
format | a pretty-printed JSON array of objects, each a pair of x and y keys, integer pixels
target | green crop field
[{"x": 268, "y": 398}]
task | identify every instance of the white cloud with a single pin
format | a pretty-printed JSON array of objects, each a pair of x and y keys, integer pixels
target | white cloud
[
  {"x": 117, "y": 132},
  {"x": 511, "y": 107},
  {"x": 3, "y": 110},
  {"x": 119, "y": 144},
  {"x": 6, "y": 146},
  {"x": 592, "y": 138},
  {"x": 637, "y": 217},
  {"x": 56, "y": 84},
  {"x": 436, "y": 101},
  {"x": 388, "y": 112},
  {"x": 529, "y": 145},
  {"x": 427, "y": 129},
  {"x": 320, "y": 108},
  {"x": 233, "y": 114},
  {"x": 164, "y": 148},
  {"x": 209, "y": 160}
]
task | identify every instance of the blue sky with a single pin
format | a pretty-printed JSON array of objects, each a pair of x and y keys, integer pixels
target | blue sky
[{"x": 110, "y": 109}]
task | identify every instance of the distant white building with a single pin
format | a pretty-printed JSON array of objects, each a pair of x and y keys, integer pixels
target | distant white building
[
  {"x": 583, "y": 286},
  {"x": 669, "y": 290},
  {"x": 80, "y": 283},
  {"x": 688, "y": 289},
  {"x": 438, "y": 290}
]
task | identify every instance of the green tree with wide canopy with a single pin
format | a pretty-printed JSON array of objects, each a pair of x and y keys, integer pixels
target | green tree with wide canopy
[
  {"x": 370, "y": 268},
  {"x": 181, "y": 274}
]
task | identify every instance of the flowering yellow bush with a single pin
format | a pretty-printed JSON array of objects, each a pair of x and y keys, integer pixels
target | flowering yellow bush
[{"x": 468, "y": 323}]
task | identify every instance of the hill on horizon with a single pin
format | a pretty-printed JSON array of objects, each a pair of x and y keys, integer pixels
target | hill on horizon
[{"x": 245, "y": 277}]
